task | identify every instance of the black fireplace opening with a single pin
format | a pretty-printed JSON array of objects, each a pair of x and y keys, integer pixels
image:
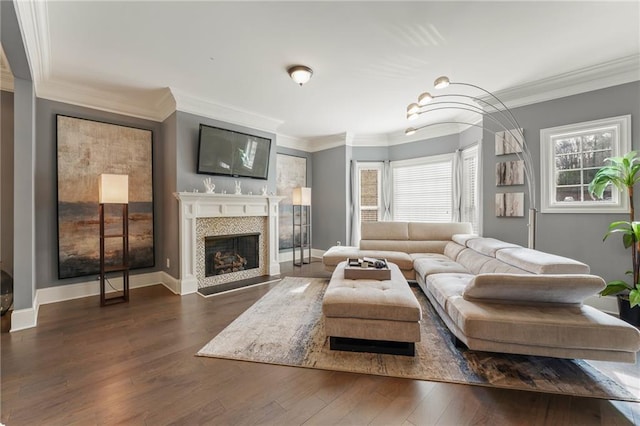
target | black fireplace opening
[{"x": 224, "y": 254}]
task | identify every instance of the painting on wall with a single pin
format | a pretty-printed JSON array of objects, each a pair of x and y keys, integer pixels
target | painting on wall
[
  {"x": 510, "y": 204},
  {"x": 510, "y": 173},
  {"x": 506, "y": 142},
  {"x": 85, "y": 150},
  {"x": 291, "y": 173}
]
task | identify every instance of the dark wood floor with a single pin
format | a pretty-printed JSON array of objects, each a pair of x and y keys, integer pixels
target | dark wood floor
[{"x": 134, "y": 364}]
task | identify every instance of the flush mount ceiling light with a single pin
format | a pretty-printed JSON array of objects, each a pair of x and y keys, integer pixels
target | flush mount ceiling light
[{"x": 300, "y": 74}]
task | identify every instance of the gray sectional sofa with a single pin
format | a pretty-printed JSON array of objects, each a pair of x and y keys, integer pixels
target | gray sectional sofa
[{"x": 497, "y": 296}]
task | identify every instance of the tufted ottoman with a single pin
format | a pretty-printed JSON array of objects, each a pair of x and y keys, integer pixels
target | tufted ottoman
[{"x": 370, "y": 315}]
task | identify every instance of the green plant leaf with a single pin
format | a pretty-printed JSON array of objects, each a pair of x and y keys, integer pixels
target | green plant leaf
[
  {"x": 634, "y": 298},
  {"x": 615, "y": 287}
]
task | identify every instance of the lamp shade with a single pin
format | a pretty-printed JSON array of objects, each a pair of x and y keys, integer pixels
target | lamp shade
[
  {"x": 301, "y": 196},
  {"x": 113, "y": 189},
  {"x": 300, "y": 74}
]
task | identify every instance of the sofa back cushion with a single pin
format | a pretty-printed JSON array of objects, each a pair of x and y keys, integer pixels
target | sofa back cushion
[
  {"x": 428, "y": 231},
  {"x": 384, "y": 231},
  {"x": 531, "y": 288},
  {"x": 540, "y": 262},
  {"x": 488, "y": 246}
]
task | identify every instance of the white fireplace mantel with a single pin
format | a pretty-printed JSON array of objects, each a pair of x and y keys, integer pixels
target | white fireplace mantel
[{"x": 194, "y": 205}]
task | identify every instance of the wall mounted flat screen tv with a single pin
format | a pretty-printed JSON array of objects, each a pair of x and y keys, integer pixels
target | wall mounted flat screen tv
[{"x": 228, "y": 153}]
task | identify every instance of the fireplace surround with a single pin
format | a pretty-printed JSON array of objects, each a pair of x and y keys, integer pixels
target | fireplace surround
[{"x": 195, "y": 206}]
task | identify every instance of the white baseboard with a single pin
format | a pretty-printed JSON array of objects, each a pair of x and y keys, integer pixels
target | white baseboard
[
  {"x": 27, "y": 318},
  {"x": 287, "y": 256},
  {"x": 22, "y": 319}
]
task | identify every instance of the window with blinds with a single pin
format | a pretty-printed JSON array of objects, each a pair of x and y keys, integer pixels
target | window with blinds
[
  {"x": 469, "y": 199},
  {"x": 370, "y": 188},
  {"x": 422, "y": 189}
]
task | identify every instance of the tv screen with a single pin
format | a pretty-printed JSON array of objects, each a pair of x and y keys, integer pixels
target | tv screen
[{"x": 228, "y": 153}]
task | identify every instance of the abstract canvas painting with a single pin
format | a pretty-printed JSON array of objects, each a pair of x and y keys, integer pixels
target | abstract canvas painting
[
  {"x": 510, "y": 173},
  {"x": 506, "y": 142},
  {"x": 85, "y": 150},
  {"x": 291, "y": 173},
  {"x": 510, "y": 204}
]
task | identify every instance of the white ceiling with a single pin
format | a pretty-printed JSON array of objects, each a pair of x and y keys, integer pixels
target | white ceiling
[{"x": 227, "y": 60}]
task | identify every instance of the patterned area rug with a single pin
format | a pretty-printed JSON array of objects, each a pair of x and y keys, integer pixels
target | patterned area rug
[{"x": 285, "y": 327}]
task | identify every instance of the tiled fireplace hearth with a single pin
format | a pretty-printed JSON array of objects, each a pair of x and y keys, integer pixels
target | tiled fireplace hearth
[{"x": 203, "y": 216}]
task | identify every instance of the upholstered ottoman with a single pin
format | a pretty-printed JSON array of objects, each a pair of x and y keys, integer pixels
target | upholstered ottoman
[{"x": 371, "y": 316}]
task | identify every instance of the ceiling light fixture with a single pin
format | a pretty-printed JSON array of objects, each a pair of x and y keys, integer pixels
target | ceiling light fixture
[
  {"x": 300, "y": 74},
  {"x": 491, "y": 108}
]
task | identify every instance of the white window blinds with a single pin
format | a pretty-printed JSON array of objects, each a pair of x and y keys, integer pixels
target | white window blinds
[{"x": 422, "y": 189}]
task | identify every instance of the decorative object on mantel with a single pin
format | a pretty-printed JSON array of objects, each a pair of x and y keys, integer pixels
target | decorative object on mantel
[
  {"x": 209, "y": 185},
  {"x": 238, "y": 187},
  {"x": 302, "y": 199},
  {"x": 510, "y": 135},
  {"x": 285, "y": 327},
  {"x": 264, "y": 190},
  {"x": 114, "y": 189}
]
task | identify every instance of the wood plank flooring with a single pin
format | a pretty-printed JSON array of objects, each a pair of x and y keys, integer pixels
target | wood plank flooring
[{"x": 134, "y": 364}]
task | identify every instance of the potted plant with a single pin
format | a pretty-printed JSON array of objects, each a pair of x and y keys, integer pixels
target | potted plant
[{"x": 623, "y": 173}]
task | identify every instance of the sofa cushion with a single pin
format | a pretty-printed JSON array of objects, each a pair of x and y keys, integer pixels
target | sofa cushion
[
  {"x": 403, "y": 260},
  {"x": 463, "y": 238},
  {"x": 472, "y": 260},
  {"x": 425, "y": 231},
  {"x": 444, "y": 286},
  {"x": 498, "y": 266},
  {"x": 519, "y": 288},
  {"x": 564, "y": 326},
  {"x": 541, "y": 263},
  {"x": 404, "y": 246},
  {"x": 384, "y": 231},
  {"x": 452, "y": 250},
  {"x": 337, "y": 254},
  {"x": 489, "y": 246},
  {"x": 426, "y": 265}
]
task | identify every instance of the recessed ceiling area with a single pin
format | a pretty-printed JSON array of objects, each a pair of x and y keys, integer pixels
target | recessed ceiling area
[{"x": 369, "y": 59}]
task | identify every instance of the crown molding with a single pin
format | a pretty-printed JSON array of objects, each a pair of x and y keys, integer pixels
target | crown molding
[
  {"x": 607, "y": 74},
  {"x": 166, "y": 105},
  {"x": 33, "y": 17},
  {"x": 370, "y": 140},
  {"x": 431, "y": 132},
  {"x": 132, "y": 105},
  {"x": 292, "y": 142},
  {"x": 331, "y": 141},
  {"x": 205, "y": 108}
]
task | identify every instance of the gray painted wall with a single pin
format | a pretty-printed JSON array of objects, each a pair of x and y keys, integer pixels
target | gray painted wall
[
  {"x": 574, "y": 235},
  {"x": 330, "y": 191},
  {"x": 46, "y": 184},
  {"x": 188, "y": 126},
  {"x": 168, "y": 205},
  {"x": 6, "y": 180}
]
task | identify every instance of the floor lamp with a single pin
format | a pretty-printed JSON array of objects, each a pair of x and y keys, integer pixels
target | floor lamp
[
  {"x": 114, "y": 189},
  {"x": 302, "y": 200}
]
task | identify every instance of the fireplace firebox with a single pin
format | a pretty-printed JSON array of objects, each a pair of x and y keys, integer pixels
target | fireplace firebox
[{"x": 225, "y": 254}]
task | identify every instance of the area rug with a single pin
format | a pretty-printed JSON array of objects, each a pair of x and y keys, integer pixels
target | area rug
[{"x": 285, "y": 327}]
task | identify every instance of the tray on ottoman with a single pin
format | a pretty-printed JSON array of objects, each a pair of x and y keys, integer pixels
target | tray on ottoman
[{"x": 353, "y": 272}]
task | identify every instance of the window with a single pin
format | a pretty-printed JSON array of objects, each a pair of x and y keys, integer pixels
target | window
[
  {"x": 422, "y": 189},
  {"x": 571, "y": 155},
  {"x": 370, "y": 178},
  {"x": 469, "y": 211}
]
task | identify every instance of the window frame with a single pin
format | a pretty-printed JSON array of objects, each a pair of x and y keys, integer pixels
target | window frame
[
  {"x": 472, "y": 151},
  {"x": 621, "y": 125}
]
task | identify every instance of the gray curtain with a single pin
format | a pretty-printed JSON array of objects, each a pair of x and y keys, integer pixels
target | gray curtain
[
  {"x": 355, "y": 205},
  {"x": 386, "y": 184}
]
